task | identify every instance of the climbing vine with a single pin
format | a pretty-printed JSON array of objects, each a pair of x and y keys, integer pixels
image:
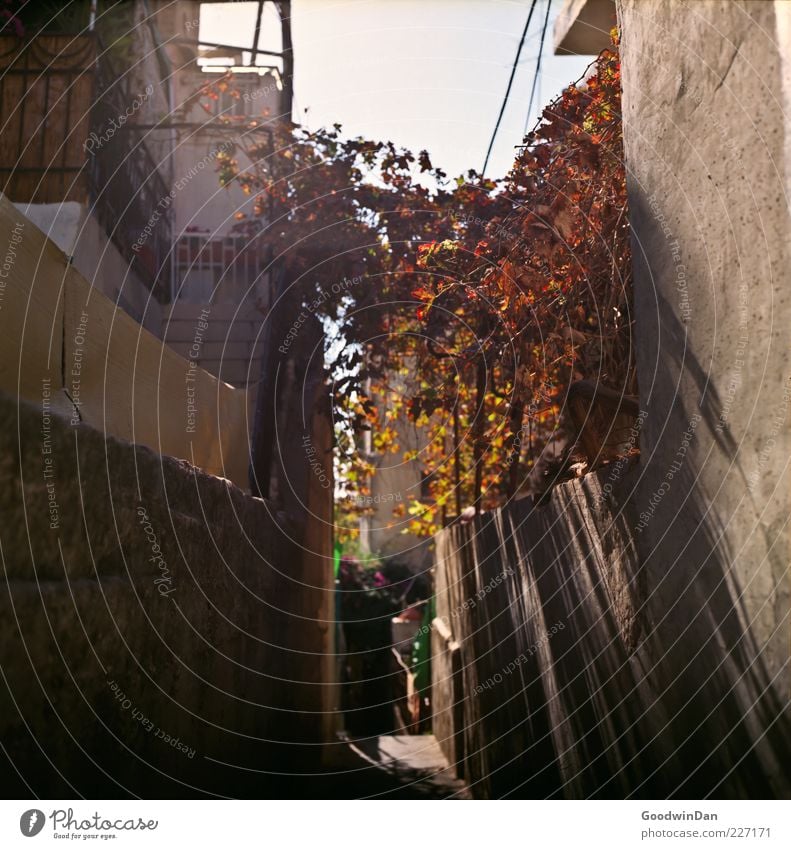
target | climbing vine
[
  {"x": 545, "y": 295},
  {"x": 466, "y": 307}
]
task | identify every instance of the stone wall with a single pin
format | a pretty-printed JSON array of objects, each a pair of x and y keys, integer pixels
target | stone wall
[
  {"x": 158, "y": 630},
  {"x": 576, "y": 681}
]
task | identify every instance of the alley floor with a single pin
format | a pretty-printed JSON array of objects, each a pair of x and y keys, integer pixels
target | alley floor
[
  {"x": 392, "y": 766},
  {"x": 401, "y": 766}
]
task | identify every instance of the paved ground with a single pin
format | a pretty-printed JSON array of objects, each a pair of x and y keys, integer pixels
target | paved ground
[
  {"x": 392, "y": 766},
  {"x": 399, "y": 766}
]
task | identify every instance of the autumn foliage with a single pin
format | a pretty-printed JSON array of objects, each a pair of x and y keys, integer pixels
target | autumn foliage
[{"x": 468, "y": 306}]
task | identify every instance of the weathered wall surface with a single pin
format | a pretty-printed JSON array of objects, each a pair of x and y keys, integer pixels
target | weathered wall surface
[
  {"x": 571, "y": 688},
  {"x": 547, "y": 607},
  {"x": 706, "y": 142},
  {"x": 155, "y": 624}
]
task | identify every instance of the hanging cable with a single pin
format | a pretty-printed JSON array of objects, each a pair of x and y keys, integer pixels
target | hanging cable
[
  {"x": 508, "y": 89},
  {"x": 538, "y": 67}
]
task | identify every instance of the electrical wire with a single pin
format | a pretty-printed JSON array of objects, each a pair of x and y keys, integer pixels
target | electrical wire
[
  {"x": 508, "y": 89},
  {"x": 538, "y": 67}
]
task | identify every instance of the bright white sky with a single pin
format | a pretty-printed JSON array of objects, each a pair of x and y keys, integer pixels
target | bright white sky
[{"x": 423, "y": 73}]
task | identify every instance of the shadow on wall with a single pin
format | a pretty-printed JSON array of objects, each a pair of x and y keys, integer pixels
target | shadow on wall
[{"x": 717, "y": 650}]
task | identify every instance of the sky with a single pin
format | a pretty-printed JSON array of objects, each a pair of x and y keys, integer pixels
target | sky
[{"x": 426, "y": 74}]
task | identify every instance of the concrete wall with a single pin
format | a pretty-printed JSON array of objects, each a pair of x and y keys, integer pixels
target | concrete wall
[
  {"x": 77, "y": 233},
  {"x": 705, "y": 89},
  {"x": 155, "y": 630},
  {"x": 582, "y": 27},
  {"x": 103, "y": 368}
]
